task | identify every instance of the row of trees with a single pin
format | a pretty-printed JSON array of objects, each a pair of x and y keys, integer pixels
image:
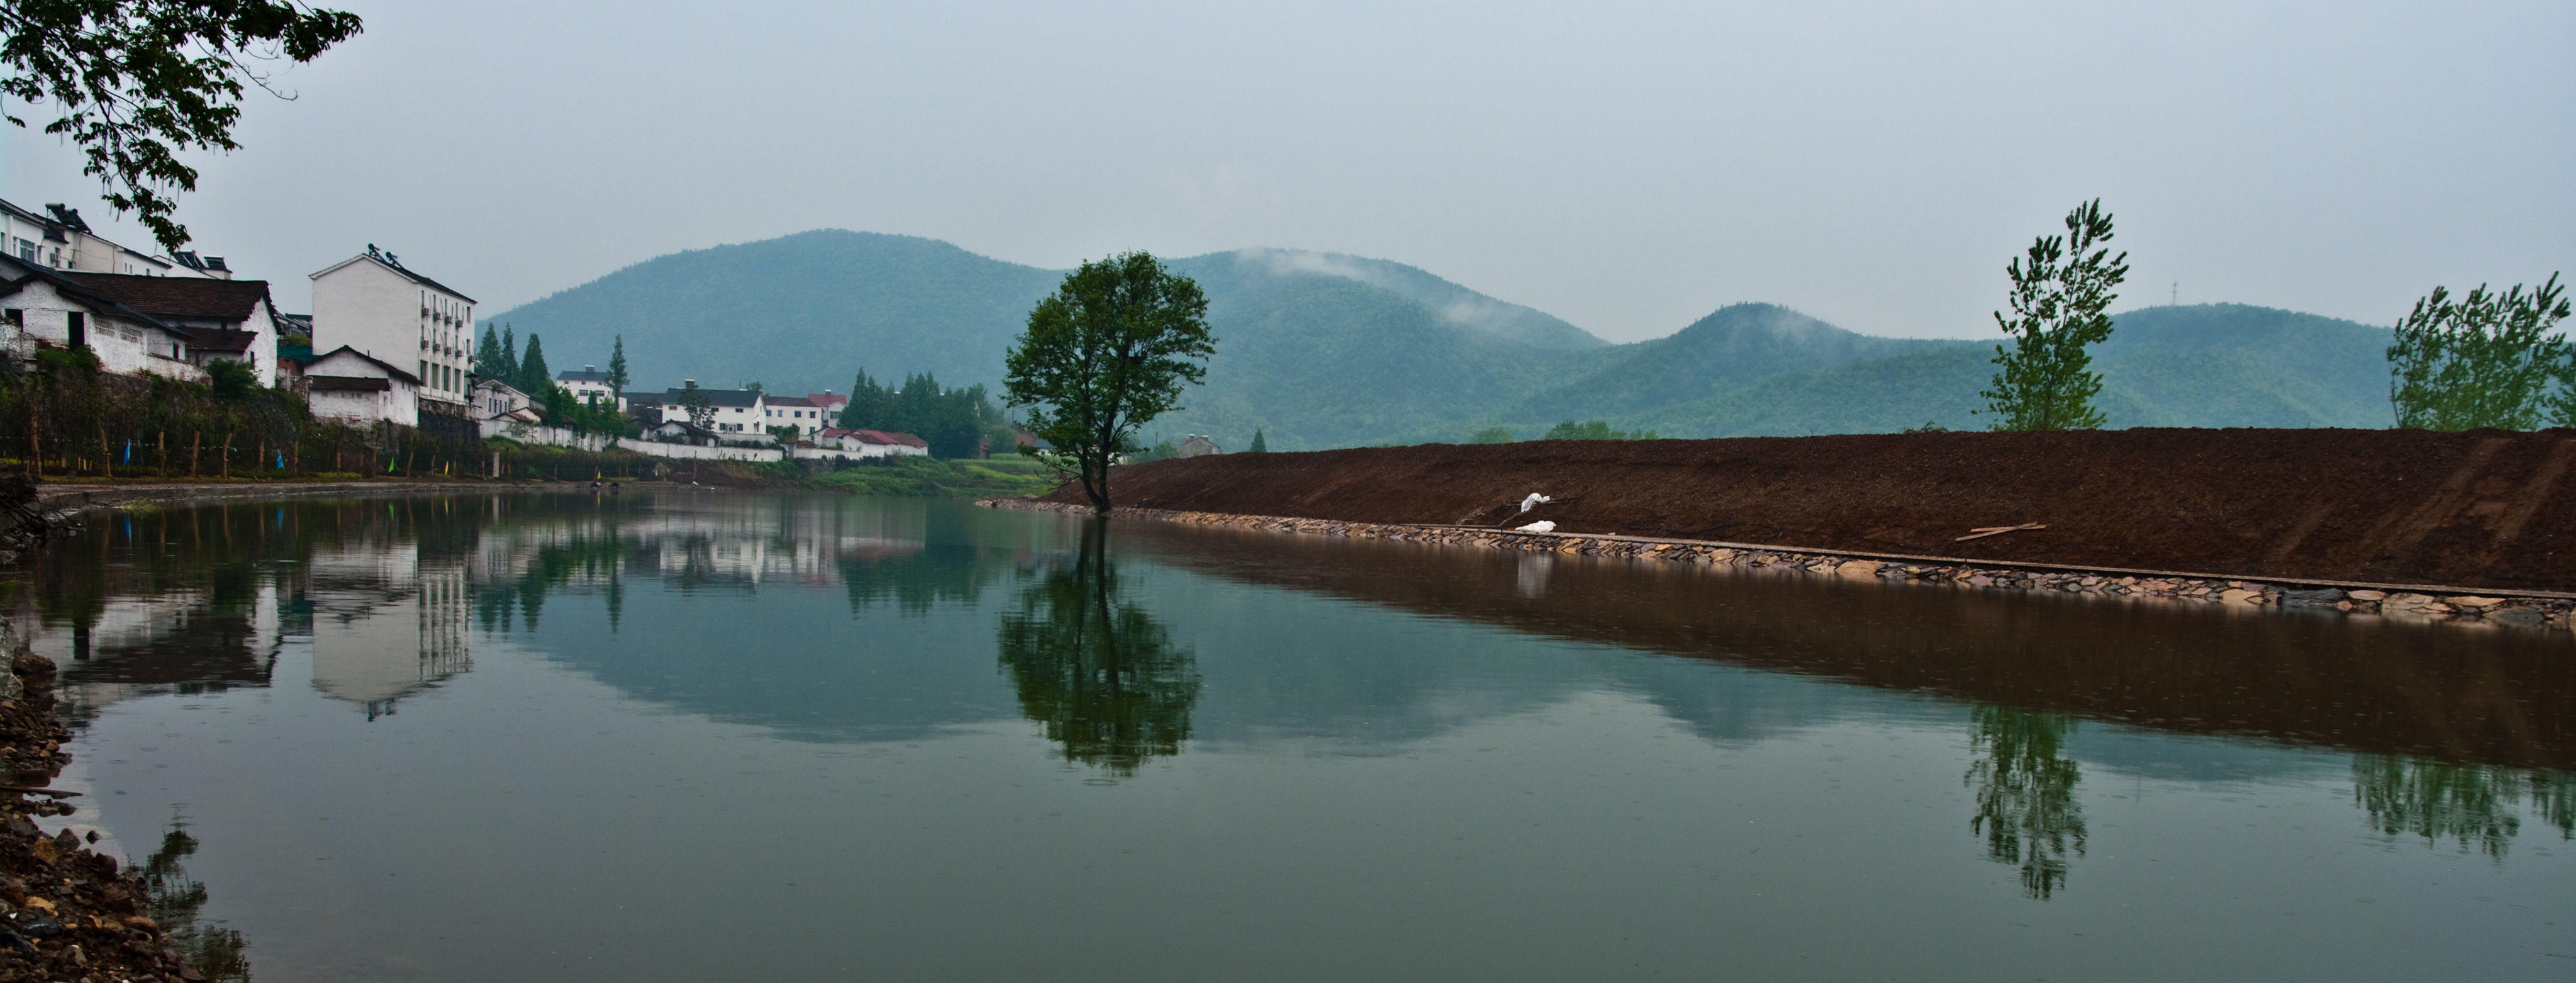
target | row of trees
[
  {"x": 2486, "y": 359},
  {"x": 954, "y": 422}
]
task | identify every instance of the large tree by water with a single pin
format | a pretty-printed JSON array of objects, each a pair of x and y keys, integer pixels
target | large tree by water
[{"x": 1107, "y": 352}]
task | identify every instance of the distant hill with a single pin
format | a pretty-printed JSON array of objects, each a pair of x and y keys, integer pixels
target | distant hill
[{"x": 1326, "y": 350}]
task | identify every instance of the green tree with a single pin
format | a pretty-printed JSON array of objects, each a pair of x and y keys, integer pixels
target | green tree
[
  {"x": 1108, "y": 351},
  {"x": 231, "y": 379},
  {"x": 1260, "y": 445},
  {"x": 693, "y": 401},
  {"x": 2061, "y": 288},
  {"x": 488, "y": 361},
  {"x": 533, "y": 377},
  {"x": 138, "y": 82},
  {"x": 2484, "y": 360},
  {"x": 2480, "y": 806},
  {"x": 956, "y": 423},
  {"x": 1096, "y": 671},
  {"x": 618, "y": 379},
  {"x": 1591, "y": 430},
  {"x": 2025, "y": 786},
  {"x": 1494, "y": 435}
]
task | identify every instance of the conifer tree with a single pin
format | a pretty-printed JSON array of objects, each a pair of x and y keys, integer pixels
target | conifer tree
[
  {"x": 533, "y": 377},
  {"x": 618, "y": 380},
  {"x": 487, "y": 357},
  {"x": 1259, "y": 445}
]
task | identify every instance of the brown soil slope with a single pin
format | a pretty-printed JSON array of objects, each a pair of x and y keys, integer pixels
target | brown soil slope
[{"x": 2477, "y": 509}]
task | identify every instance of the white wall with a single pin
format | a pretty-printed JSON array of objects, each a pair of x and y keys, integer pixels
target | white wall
[
  {"x": 123, "y": 347},
  {"x": 374, "y": 308}
]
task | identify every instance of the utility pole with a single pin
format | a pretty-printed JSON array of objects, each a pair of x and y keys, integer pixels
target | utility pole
[{"x": 2176, "y": 299}]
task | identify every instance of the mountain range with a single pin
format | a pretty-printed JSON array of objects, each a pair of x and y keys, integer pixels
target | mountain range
[{"x": 1326, "y": 350}]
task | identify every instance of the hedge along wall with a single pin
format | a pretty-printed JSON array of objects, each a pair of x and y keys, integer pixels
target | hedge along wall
[{"x": 59, "y": 417}]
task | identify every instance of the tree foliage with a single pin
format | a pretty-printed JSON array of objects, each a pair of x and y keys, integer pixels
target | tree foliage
[
  {"x": 955, "y": 423},
  {"x": 1495, "y": 435},
  {"x": 618, "y": 378},
  {"x": 1586, "y": 430},
  {"x": 2061, "y": 288},
  {"x": 1260, "y": 443},
  {"x": 532, "y": 376},
  {"x": 1108, "y": 351},
  {"x": 2484, "y": 360},
  {"x": 137, "y": 82}
]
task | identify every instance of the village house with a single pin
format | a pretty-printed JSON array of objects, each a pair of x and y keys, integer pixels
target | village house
[
  {"x": 231, "y": 320},
  {"x": 372, "y": 304},
  {"x": 871, "y": 443},
  {"x": 793, "y": 411},
  {"x": 46, "y": 309},
  {"x": 59, "y": 240},
  {"x": 590, "y": 385},
  {"x": 497, "y": 400},
  {"x": 737, "y": 414},
  {"x": 354, "y": 387}
]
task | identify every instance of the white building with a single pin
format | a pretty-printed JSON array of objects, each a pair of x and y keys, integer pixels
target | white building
[
  {"x": 40, "y": 308},
  {"x": 590, "y": 385},
  {"x": 371, "y": 304},
  {"x": 355, "y": 387},
  {"x": 871, "y": 443},
  {"x": 793, "y": 411},
  {"x": 736, "y": 414},
  {"x": 497, "y": 400},
  {"x": 58, "y": 239},
  {"x": 229, "y": 320}
]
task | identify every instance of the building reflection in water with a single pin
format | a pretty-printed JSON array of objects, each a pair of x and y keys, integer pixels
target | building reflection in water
[
  {"x": 1094, "y": 670},
  {"x": 384, "y": 624}
]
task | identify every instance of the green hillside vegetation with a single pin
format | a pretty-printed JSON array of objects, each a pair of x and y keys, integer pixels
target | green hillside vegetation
[{"x": 1321, "y": 350}]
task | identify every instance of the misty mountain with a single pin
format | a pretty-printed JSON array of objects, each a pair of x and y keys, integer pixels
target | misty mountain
[{"x": 1325, "y": 350}]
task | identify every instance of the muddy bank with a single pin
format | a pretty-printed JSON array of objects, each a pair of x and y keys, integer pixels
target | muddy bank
[
  {"x": 2482, "y": 509},
  {"x": 66, "y": 912}
]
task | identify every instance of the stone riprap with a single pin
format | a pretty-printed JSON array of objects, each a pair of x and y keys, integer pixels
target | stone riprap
[{"x": 2413, "y": 603}]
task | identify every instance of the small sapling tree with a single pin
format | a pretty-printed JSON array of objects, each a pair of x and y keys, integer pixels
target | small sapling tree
[
  {"x": 1108, "y": 351},
  {"x": 2061, "y": 288},
  {"x": 2483, "y": 360}
]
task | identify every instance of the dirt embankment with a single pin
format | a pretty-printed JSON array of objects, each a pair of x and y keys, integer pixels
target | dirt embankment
[
  {"x": 2483, "y": 508},
  {"x": 66, "y": 912}
]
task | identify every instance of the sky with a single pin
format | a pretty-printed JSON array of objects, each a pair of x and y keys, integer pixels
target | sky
[{"x": 1628, "y": 167}]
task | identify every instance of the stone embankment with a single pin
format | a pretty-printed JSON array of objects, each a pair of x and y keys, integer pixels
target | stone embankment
[
  {"x": 2406, "y": 602},
  {"x": 66, "y": 912}
]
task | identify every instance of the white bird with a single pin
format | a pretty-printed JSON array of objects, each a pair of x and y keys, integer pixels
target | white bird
[
  {"x": 1534, "y": 500},
  {"x": 1541, "y": 525}
]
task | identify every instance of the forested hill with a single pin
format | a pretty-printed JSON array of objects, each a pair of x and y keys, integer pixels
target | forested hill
[{"x": 1325, "y": 350}]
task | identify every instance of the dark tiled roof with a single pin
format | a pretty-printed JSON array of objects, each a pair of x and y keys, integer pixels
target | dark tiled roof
[
  {"x": 643, "y": 398},
  {"x": 716, "y": 397},
  {"x": 178, "y": 296},
  {"x": 298, "y": 354},
  {"x": 571, "y": 375},
  {"x": 390, "y": 369},
  {"x": 218, "y": 339},
  {"x": 790, "y": 401},
  {"x": 422, "y": 280},
  {"x": 295, "y": 324}
]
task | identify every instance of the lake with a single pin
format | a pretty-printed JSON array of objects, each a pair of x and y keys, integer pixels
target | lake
[{"x": 718, "y": 735}]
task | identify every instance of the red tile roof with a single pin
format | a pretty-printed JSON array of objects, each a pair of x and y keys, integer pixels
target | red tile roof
[{"x": 882, "y": 437}]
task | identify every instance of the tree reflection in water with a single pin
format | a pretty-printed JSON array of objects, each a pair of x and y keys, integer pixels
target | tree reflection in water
[
  {"x": 176, "y": 899},
  {"x": 2025, "y": 784},
  {"x": 1096, "y": 671},
  {"x": 2480, "y": 806}
]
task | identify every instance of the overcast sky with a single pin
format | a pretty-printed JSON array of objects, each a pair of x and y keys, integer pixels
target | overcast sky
[{"x": 1628, "y": 168}]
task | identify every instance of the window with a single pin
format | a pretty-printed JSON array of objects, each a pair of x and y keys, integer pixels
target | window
[{"x": 16, "y": 317}]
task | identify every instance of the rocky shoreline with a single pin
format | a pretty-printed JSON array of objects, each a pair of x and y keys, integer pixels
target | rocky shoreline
[
  {"x": 66, "y": 912},
  {"x": 2409, "y": 602}
]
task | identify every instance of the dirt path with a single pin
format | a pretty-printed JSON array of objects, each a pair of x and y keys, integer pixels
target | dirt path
[{"x": 2477, "y": 509}]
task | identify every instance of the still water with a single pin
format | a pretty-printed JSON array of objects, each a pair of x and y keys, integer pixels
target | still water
[{"x": 699, "y": 736}]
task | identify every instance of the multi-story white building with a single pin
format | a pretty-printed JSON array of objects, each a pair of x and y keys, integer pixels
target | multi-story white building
[
  {"x": 58, "y": 239},
  {"x": 590, "y": 385},
  {"x": 372, "y": 304}
]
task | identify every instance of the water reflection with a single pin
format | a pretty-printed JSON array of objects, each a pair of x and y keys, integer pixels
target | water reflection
[
  {"x": 177, "y": 902},
  {"x": 2479, "y": 807},
  {"x": 2025, "y": 792},
  {"x": 1097, "y": 672}
]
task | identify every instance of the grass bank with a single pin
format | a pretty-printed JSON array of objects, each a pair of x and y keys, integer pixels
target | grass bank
[{"x": 921, "y": 477}]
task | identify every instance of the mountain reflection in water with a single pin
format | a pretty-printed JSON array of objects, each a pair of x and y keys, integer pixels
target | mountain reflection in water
[{"x": 2459, "y": 735}]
